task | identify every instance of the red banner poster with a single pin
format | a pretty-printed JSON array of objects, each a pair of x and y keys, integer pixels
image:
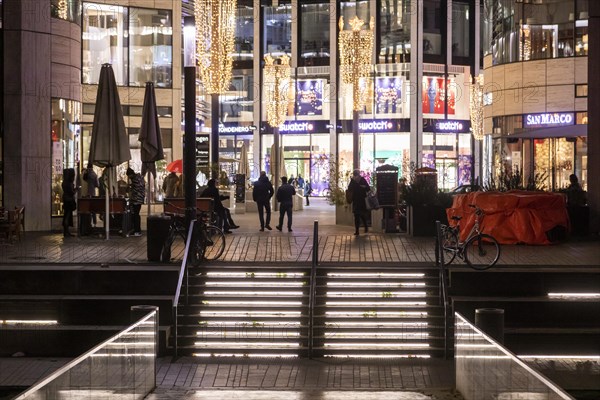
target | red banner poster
[{"x": 434, "y": 95}]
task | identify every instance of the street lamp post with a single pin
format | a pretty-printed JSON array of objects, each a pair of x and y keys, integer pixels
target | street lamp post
[
  {"x": 356, "y": 50},
  {"x": 189, "y": 147},
  {"x": 277, "y": 80},
  {"x": 215, "y": 30}
]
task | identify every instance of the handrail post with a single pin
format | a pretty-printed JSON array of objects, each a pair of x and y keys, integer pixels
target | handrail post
[
  {"x": 439, "y": 257},
  {"x": 312, "y": 289}
]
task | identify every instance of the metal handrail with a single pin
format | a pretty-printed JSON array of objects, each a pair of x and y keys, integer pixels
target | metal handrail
[
  {"x": 444, "y": 300},
  {"x": 312, "y": 290},
  {"x": 182, "y": 273}
]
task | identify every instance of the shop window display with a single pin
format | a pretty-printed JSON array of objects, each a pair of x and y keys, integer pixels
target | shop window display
[{"x": 65, "y": 137}]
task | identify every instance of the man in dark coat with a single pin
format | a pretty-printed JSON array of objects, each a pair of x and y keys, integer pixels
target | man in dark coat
[
  {"x": 212, "y": 192},
  {"x": 359, "y": 188},
  {"x": 261, "y": 194},
  {"x": 285, "y": 196}
]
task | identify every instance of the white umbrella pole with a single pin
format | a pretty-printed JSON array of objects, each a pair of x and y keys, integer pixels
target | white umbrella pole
[{"x": 107, "y": 197}]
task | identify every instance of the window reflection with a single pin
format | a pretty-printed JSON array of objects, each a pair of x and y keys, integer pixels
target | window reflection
[
  {"x": 68, "y": 10},
  {"x": 150, "y": 47},
  {"x": 432, "y": 27},
  {"x": 278, "y": 30},
  {"x": 104, "y": 41},
  {"x": 460, "y": 29},
  {"x": 244, "y": 33},
  {"x": 394, "y": 27},
  {"x": 314, "y": 43}
]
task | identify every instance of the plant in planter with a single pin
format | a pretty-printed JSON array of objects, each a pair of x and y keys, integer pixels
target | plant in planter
[
  {"x": 425, "y": 204},
  {"x": 336, "y": 195}
]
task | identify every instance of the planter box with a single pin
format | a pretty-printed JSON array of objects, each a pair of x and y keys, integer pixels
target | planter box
[
  {"x": 421, "y": 219},
  {"x": 343, "y": 215}
]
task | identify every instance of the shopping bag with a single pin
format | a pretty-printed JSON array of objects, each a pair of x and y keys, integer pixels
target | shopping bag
[
  {"x": 349, "y": 196},
  {"x": 372, "y": 201}
]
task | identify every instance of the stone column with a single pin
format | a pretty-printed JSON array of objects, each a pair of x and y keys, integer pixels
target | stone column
[
  {"x": 27, "y": 109},
  {"x": 594, "y": 120}
]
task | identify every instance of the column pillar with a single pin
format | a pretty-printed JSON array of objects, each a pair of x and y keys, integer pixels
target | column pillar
[{"x": 594, "y": 120}]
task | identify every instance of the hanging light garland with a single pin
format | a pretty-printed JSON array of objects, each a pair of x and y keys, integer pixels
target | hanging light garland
[
  {"x": 356, "y": 50},
  {"x": 62, "y": 9},
  {"x": 277, "y": 81},
  {"x": 215, "y": 38},
  {"x": 476, "y": 108}
]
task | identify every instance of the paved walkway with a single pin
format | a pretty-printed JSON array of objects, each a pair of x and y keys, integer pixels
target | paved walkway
[{"x": 247, "y": 244}]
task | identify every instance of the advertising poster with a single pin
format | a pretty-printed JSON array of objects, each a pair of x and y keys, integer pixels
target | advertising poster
[
  {"x": 309, "y": 98},
  {"x": 465, "y": 164},
  {"x": 388, "y": 92},
  {"x": 434, "y": 96}
]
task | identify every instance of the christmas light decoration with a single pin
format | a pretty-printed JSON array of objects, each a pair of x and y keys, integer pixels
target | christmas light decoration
[
  {"x": 277, "y": 81},
  {"x": 215, "y": 36},
  {"x": 476, "y": 107},
  {"x": 62, "y": 9},
  {"x": 356, "y": 51}
]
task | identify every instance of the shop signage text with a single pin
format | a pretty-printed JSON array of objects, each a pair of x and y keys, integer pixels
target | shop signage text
[
  {"x": 375, "y": 126},
  {"x": 296, "y": 127},
  {"x": 234, "y": 129},
  {"x": 547, "y": 119},
  {"x": 449, "y": 126}
]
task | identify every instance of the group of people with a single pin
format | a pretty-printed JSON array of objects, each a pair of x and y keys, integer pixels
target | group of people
[
  {"x": 263, "y": 192},
  {"x": 136, "y": 192}
]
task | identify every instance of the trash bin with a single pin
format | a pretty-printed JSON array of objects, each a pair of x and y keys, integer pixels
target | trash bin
[{"x": 158, "y": 229}]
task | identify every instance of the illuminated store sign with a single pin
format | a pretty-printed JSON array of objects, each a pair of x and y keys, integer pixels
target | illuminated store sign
[
  {"x": 449, "y": 126},
  {"x": 549, "y": 119},
  {"x": 296, "y": 127},
  {"x": 233, "y": 129},
  {"x": 375, "y": 126}
]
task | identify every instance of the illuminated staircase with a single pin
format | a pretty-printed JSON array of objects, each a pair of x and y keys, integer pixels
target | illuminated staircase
[{"x": 360, "y": 311}]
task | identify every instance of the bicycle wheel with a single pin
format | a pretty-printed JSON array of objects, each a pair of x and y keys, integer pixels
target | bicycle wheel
[
  {"x": 449, "y": 245},
  {"x": 165, "y": 253},
  {"x": 482, "y": 251},
  {"x": 214, "y": 243}
]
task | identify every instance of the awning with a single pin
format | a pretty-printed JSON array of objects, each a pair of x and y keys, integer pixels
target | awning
[{"x": 556, "y": 132}]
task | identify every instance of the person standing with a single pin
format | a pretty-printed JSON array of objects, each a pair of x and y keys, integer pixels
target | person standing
[
  {"x": 212, "y": 192},
  {"x": 171, "y": 185},
  {"x": 285, "y": 196},
  {"x": 261, "y": 194},
  {"x": 91, "y": 178},
  {"x": 307, "y": 191},
  {"x": 137, "y": 196},
  {"x": 359, "y": 188},
  {"x": 300, "y": 181},
  {"x": 68, "y": 199}
]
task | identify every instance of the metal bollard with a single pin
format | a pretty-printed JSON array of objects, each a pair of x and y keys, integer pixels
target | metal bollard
[{"x": 491, "y": 322}]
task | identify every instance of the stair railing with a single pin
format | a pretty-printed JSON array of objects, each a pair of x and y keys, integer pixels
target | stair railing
[
  {"x": 444, "y": 299},
  {"x": 183, "y": 273},
  {"x": 312, "y": 289}
]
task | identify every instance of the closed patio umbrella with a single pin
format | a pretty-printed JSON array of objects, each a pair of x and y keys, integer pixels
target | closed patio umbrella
[
  {"x": 110, "y": 144},
  {"x": 151, "y": 148},
  {"x": 243, "y": 165}
]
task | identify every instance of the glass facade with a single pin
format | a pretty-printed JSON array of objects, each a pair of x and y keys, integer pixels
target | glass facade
[
  {"x": 394, "y": 31},
  {"x": 150, "y": 47},
  {"x": 314, "y": 31},
  {"x": 277, "y": 31},
  {"x": 65, "y": 146},
  {"x": 138, "y": 42},
  {"x": 244, "y": 34},
  {"x": 522, "y": 31}
]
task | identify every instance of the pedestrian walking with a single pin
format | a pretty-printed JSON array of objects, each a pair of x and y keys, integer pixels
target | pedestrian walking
[
  {"x": 307, "y": 192},
  {"x": 261, "y": 194},
  {"x": 359, "y": 188},
  {"x": 68, "y": 199},
  {"x": 285, "y": 196},
  {"x": 91, "y": 179},
  {"x": 137, "y": 195}
]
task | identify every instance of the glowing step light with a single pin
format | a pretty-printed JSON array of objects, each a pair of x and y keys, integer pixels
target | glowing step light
[
  {"x": 369, "y": 284},
  {"x": 27, "y": 322},
  {"x": 245, "y": 355},
  {"x": 252, "y": 275},
  {"x": 377, "y": 356},
  {"x": 242, "y": 293},
  {"x": 254, "y": 283},
  {"x": 378, "y": 324},
  {"x": 376, "y": 304},
  {"x": 288, "y": 314},
  {"x": 252, "y": 303},
  {"x": 376, "y": 335},
  {"x": 247, "y": 334},
  {"x": 247, "y": 324},
  {"x": 248, "y": 345},
  {"x": 376, "y": 294},
  {"x": 574, "y": 295},
  {"x": 377, "y": 314},
  {"x": 381, "y": 346},
  {"x": 374, "y": 275}
]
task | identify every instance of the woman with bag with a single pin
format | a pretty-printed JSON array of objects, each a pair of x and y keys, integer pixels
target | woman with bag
[
  {"x": 359, "y": 188},
  {"x": 68, "y": 199}
]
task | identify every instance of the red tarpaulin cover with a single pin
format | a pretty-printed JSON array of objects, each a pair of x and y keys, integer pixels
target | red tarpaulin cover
[{"x": 512, "y": 217}]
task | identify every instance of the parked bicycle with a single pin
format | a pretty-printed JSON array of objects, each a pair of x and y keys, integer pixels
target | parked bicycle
[
  {"x": 208, "y": 241},
  {"x": 479, "y": 250}
]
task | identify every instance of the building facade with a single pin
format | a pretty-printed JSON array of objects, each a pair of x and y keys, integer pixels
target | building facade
[
  {"x": 416, "y": 109},
  {"x": 536, "y": 74}
]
